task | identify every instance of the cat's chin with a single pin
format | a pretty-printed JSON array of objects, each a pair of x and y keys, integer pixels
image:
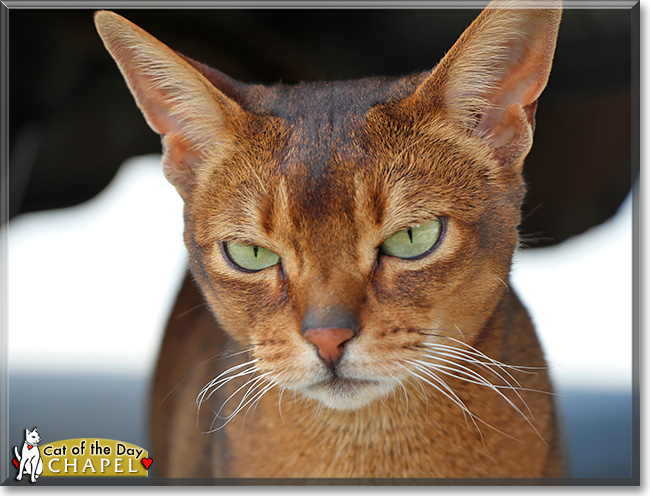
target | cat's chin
[{"x": 347, "y": 394}]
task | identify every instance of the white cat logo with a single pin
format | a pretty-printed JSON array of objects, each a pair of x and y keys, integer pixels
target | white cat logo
[{"x": 29, "y": 458}]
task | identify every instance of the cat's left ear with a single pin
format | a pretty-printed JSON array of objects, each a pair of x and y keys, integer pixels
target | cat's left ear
[{"x": 491, "y": 78}]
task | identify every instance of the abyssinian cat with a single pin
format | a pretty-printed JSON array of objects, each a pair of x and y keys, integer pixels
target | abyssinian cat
[{"x": 351, "y": 242}]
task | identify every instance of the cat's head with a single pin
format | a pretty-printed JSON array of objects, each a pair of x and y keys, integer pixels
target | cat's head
[
  {"x": 32, "y": 437},
  {"x": 338, "y": 228}
]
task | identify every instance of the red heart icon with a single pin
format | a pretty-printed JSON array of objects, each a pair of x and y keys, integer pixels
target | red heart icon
[
  {"x": 16, "y": 462},
  {"x": 147, "y": 462}
]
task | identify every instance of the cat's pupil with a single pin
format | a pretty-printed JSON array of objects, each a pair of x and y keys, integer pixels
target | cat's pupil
[
  {"x": 255, "y": 250},
  {"x": 410, "y": 233}
]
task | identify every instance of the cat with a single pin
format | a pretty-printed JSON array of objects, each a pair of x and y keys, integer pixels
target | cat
[
  {"x": 351, "y": 243},
  {"x": 30, "y": 457}
]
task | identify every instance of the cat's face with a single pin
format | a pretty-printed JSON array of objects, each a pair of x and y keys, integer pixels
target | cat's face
[
  {"x": 327, "y": 209},
  {"x": 32, "y": 437},
  {"x": 341, "y": 231}
]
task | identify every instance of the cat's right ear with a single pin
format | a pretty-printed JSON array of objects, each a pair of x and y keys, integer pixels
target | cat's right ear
[
  {"x": 490, "y": 80},
  {"x": 178, "y": 102}
]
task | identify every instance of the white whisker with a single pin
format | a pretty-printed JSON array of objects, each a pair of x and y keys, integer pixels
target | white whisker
[
  {"x": 474, "y": 350},
  {"x": 252, "y": 384},
  {"x": 231, "y": 369},
  {"x": 448, "y": 392},
  {"x": 467, "y": 355},
  {"x": 218, "y": 356},
  {"x": 477, "y": 359},
  {"x": 214, "y": 385},
  {"x": 461, "y": 332},
  {"x": 473, "y": 373},
  {"x": 431, "y": 374},
  {"x": 282, "y": 390},
  {"x": 463, "y": 373},
  {"x": 480, "y": 380},
  {"x": 218, "y": 382},
  {"x": 257, "y": 402},
  {"x": 502, "y": 282},
  {"x": 406, "y": 398},
  {"x": 460, "y": 355},
  {"x": 241, "y": 406}
]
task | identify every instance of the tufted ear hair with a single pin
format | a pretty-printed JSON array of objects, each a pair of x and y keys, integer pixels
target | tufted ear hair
[
  {"x": 490, "y": 80},
  {"x": 177, "y": 100}
]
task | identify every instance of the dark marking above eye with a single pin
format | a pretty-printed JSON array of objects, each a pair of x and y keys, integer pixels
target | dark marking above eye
[
  {"x": 266, "y": 215},
  {"x": 379, "y": 205}
]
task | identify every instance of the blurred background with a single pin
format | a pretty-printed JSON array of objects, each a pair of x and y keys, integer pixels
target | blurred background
[{"x": 95, "y": 254}]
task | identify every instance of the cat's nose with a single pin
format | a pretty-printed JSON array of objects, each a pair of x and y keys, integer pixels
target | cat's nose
[
  {"x": 329, "y": 328},
  {"x": 329, "y": 342}
]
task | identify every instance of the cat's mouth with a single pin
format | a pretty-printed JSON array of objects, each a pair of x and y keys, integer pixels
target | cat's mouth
[
  {"x": 342, "y": 385},
  {"x": 341, "y": 393}
]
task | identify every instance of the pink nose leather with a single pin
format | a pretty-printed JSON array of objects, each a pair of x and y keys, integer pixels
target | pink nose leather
[{"x": 329, "y": 341}]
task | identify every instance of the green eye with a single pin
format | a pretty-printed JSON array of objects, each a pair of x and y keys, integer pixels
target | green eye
[
  {"x": 250, "y": 257},
  {"x": 412, "y": 242}
]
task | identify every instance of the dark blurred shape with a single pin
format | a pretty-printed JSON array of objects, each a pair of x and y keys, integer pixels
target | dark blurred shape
[{"x": 73, "y": 122}]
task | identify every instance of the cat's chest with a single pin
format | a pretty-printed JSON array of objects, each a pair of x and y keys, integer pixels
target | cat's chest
[
  {"x": 309, "y": 443},
  {"x": 405, "y": 436},
  {"x": 30, "y": 451}
]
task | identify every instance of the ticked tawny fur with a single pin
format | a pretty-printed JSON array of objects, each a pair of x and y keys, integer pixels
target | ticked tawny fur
[{"x": 349, "y": 312}]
